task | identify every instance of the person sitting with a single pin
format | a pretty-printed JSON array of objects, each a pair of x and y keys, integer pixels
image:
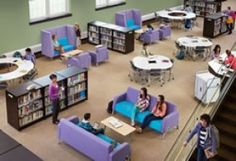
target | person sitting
[
  {"x": 85, "y": 124},
  {"x": 141, "y": 105},
  {"x": 158, "y": 112},
  {"x": 216, "y": 52},
  {"x": 148, "y": 29},
  {"x": 56, "y": 44},
  {"x": 145, "y": 51},
  {"x": 230, "y": 60},
  {"x": 29, "y": 55}
]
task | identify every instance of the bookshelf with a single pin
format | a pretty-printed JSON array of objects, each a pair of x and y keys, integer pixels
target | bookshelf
[
  {"x": 204, "y": 8},
  {"x": 77, "y": 85},
  {"x": 115, "y": 37},
  {"x": 26, "y": 107},
  {"x": 214, "y": 25}
]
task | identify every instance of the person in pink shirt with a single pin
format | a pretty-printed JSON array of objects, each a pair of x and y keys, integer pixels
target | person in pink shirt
[
  {"x": 158, "y": 112},
  {"x": 230, "y": 60}
]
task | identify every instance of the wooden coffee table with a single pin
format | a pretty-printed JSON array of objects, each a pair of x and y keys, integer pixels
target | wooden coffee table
[
  {"x": 69, "y": 54},
  {"x": 123, "y": 130}
]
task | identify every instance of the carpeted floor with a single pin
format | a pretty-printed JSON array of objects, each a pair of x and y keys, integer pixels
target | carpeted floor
[{"x": 108, "y": 80}]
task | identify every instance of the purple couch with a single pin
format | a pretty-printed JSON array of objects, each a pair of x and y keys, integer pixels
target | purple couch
[
  {"x": 150, "y": 36},
  {"x": 83, "y": 60},
  {"x": 66, "y": 38},
  {"x": 99, "y": 55},
  {"x": 129, "y": 18},
  {"x": 125, "y": 102},
  {"x": 165, "y": 31},
  {"x": 89, "y": 144}
]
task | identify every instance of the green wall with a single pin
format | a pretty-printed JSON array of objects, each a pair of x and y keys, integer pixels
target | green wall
[{"x": 16, "y": 33}]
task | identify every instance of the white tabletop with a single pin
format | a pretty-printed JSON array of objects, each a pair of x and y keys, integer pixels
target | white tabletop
[
  {"x": 160, "y": 62},
  {"x": 23, "y": 68},
  {"x": 218, "y": 67},
  {"x": 165, "y": 14},
  {"x": 193, "y": 42}
]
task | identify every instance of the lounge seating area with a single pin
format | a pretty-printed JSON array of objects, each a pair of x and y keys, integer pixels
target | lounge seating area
[
  {"x": 99, "y": 55},
  {"x": 83, "y": 60},
  {"x": 97, "y": 148}
]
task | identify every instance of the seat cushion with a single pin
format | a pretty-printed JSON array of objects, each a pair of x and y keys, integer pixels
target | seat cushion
[
  {"x": 107, "y": 139},
  {"x": 68, "y": 47},
  {"x": 130, "y": 22},
  {"x": 63, "y": 41},
  {"x": 134, "y": 27},
  {"x": 141, "y": 115},
  {"x": 156, "y": 125},
  {"x": 125, "y": 108}
]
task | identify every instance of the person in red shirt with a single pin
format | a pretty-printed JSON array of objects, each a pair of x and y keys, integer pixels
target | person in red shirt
[
  {"x": 158, "y": 112},
  {"x": 230, "y": 60}
]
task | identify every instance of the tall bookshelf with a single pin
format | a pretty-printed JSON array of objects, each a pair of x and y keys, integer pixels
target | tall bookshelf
[
  {"x": 27, "y": 106},
  {"x": 204, "y": 7},
  {"x": 115, "y": 37},
  {"x": 214, "y": 25}
]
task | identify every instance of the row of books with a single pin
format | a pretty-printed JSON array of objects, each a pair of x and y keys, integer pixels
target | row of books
[
  {"x": 106, "y": 43},
  {"x": 119, "y": 47},
  {"x": 26, "y": 99},
  {"x": 31, "y": 107},
  {"x": 48, "y": 109},
  {"x": 76, "y": 97},
  {"x": 76, "y": 89},
  {"x": 93, "y": 28},
  {"x": 31, "y": 118},
  {"x": 119, "y": 35},
  {"x": 106, "y": 31},
  {"x": 119, "y": 41},
  {"x": 76, "y": 79}
]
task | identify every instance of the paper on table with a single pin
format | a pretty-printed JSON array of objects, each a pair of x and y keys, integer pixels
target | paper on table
[{"x": 115, "y": 123}]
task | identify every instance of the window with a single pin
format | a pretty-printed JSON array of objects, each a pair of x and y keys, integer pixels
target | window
[
  {"x": 41, "y": 10},
  {"x": 100, "y": 4}
]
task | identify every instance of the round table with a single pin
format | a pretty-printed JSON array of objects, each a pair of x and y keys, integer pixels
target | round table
[
  {"x": 176, "y": 16},
  {"x": 151, "y": 65},
  {"x": 217, "y": 68},
  {"x": 23, "y": 68},
  {"x": 193, "y": 42}
]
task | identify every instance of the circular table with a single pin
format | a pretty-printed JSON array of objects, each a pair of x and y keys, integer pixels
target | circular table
[
  {"x": 191, "y": 43},
  {"x": 23, "y": 68},
  {"x": 217, "y": 67},
  {"x": 177, "y": 16},
  {"x": 151, "y": 65}
]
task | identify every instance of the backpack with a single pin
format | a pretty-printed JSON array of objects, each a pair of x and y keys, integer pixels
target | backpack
[{"x": 109, "y": 107}]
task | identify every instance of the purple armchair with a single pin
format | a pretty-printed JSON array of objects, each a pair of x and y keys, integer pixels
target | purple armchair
[
  {"x": 66, "y": 38},
  {"x": 100, "y": 55},
  {"x": 83, "y": 60},
  {"x": 150, "y": 36},
  {"x": 165, "y": 31},
  {"x": 89, "y": 144},
  {"x": 129, "y": 18},
  {"x": 125, "y": 102}
]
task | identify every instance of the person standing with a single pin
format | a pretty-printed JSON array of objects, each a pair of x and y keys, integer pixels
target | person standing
[
  {"x": 78, "y": 35},
  {"x": 229, "y": 23},
  {"x": 54, "y": 97},
  {"x": 206, "y": 138},
  {"x": 145, "y": 50}
]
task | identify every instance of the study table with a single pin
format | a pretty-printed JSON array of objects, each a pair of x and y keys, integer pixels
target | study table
[
  {"x": 153, "y": 64},
  {"x": 23, "y": 68},
  {"x": 193, "y": 43},
  {"x": 176, "y": 16},
  {"x": 217, "y": 67}
]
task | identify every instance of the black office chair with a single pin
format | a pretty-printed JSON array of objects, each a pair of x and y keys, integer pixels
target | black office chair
[
  {"x": 200, "y": 52},
  {"x": 157, "y": 75}
]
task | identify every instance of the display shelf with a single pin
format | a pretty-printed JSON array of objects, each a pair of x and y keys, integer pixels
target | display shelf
[
  {"x": 214, "y": 25},
  {"x": 115, "y": 37},
  {"x": 26, "y": 107}
]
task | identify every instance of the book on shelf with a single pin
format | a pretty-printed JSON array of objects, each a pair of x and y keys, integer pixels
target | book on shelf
[
  {"x": 29, "y": 97},
  {"x": 27, "y": 109},
  {"x": 30, "y": 118}
]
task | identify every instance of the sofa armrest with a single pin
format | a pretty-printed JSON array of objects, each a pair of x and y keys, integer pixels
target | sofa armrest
[
  {"x": 118, "y": 99},
  {"x": 120, "y": 153},
  {"x": 170, "y": 121}
]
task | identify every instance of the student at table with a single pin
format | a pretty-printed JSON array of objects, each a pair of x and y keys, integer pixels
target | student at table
[
  {"x": 158, "y": 112},
  {"x": 78, "y": 35},
  {"x": 141, "y": 105},
  {"x": 148, "y": 29},
  {"x": 29, "y": 55},
  {"x": 216, "y": 52},
  {"x": 230, "y": 60},
  {"x": 56, "y": 44},
  {"x": 85, "y": 124},
  {"x": 145, "y": 50}
]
